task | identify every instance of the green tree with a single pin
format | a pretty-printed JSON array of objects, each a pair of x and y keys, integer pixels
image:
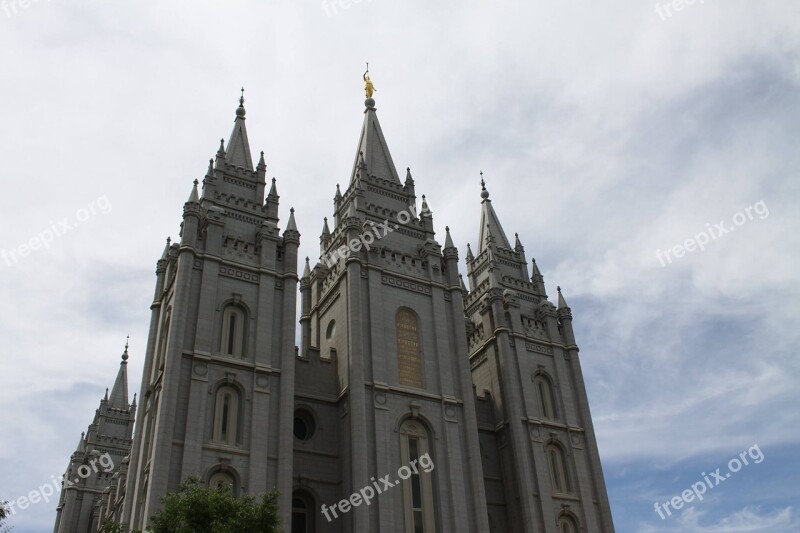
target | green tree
[
  {"x": 195, "y": 508},
  {"x": 111, "y": 527},
  {"x": 4, "y": 512}
]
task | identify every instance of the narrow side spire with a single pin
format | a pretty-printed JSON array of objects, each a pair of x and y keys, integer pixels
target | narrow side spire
[
  {"x": 194, "y": 197},
  {"x": 292, "y": 225},
  {"x": 562, "y": 303},
  {"x": 448, "y": 241}
]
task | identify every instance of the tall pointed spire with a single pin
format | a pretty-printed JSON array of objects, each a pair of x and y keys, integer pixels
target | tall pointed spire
[
  {"x": 238, "y": 146},
  {"x": 119, "y": 393},
  {"x": 373, "y": 145},
  {"x": 490, "y": 224}
]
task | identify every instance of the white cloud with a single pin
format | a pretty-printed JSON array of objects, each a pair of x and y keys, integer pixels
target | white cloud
[{"x": 748, "y": 519}]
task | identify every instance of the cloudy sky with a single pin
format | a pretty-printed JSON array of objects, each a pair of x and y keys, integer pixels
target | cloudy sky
[{"x": 606, "y": 131}]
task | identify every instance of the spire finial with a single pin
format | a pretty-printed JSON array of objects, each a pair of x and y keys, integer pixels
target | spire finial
[
  {"x": 240, "y": 112},
  {"x": 484, "y": 192},
  {"x": 127, "y": 342}
]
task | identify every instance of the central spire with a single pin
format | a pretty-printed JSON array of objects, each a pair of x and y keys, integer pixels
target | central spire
[
  {"x": 490, "y": 224},
  {"x": 372, "y": 151},
  {"x": 119, "y": 393},
  {"x": 238, "y": 146}
]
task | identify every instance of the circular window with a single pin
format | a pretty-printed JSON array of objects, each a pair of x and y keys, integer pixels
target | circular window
[
  {"x": 303, "y": 425},
  {"x": 331, "y": 330}
]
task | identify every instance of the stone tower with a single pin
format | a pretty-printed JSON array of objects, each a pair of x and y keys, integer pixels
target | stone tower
[
  {"x": 384, "y": 365},
  {"x": 218, "y": 385},
  {"x": 540, "y": 455},
  {"x": 97, "y": 459}
]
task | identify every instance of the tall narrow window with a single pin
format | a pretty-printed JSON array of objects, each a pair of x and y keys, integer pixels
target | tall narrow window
[
  {"x": 161, "y": 354},
  {"x": 409, "y": 353},
  {"x": 232, "y": 332},
  {"x": 558, "y": 469},
  {"x": 226, "y": 416},
  {"x": 418, "y": 487},
  {"x": 547, "y": 397},
  {"x": 162, "y": 357}
]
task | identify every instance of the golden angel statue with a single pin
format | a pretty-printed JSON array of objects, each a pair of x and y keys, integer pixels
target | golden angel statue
[{"x": 369, "y": 88}]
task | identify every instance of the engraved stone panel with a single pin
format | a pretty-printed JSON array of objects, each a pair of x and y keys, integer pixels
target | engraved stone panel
[{"x": 409, "y": 356}]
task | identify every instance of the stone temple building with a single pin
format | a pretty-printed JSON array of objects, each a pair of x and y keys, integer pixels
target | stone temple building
[{"x": 415, "y": 403}]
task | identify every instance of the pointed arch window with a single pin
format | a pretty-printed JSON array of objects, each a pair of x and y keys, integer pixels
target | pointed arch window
[
  {"x": 546, "y": 396},
  {"x": 162, "y": 348},
  {"x": 567, "y": 525},
  {"x": 303, "y": 512},
  {"x": 418, "y": 498},
  {"x": 559, "y": 475},
  {"x": 232, "y": 338},
  {"x": 409, "y": 351},
  {"x": 220, "y": 480},
  {"x": 226, "y": 415}
]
